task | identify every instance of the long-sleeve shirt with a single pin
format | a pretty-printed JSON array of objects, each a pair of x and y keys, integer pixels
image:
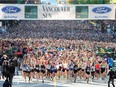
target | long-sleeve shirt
[{"x": 111, "y": 74}]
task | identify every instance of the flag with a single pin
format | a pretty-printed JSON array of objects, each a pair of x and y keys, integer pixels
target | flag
[
  {"x": 93, "y": 23},
  {"x": 102, "y": 50}
]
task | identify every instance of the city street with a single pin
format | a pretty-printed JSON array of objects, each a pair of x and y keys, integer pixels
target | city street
[{"x": 19, "y": 82}]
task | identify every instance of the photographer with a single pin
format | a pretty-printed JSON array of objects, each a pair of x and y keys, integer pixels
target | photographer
[
  {"x": 6, "y": 83},
  {"x": 8, "y": 71},
  {"x": 111, "y": 77},
  {"x": 11, "y": 69}
]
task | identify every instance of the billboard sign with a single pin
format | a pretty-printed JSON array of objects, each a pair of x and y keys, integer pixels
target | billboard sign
[
  {"x": 115, "y": 11},
  {"x": 82, "y": 12},
  {"x": 11, "y": 9},
  {"x": 31, "y": 12},
  {"x": 101, "y": 12},
  {"x": 114, "y": 65},
  {"x": 11, "y": 12},
  {"x": 56, "y": 12}
]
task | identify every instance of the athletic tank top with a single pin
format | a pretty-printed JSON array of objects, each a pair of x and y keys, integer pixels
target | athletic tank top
[
  {"x": 84, "y": 66},
  {"x": 97, "y": 66},
  {"x": 57, "y": 66},
  {"x": 75, "y": 67},
  {"x": 52, "y": 67},
  {"x": 92, "y": 68},
  {"x": 79, "y": 65},
  {"x": 28, "y": 68},
  {"x": 60, "y": 64},
  {"x": 103, "y": 65},
  {"x": 43, "y": 67},
  {"x": 87, "y": 69},
  {"x": 25, "y": 67},
  {"x": 37, "y": 67},
  {"x": 65, "y": 65},
  {"x": 48, "y": 66},
  {"x": 71, "y": 66}
]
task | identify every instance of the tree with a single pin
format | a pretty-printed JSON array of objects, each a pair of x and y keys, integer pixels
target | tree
[
  {"x": 74, "y": 2},
  {"x": 19, "y": 1},
  {"x": 90, "y": 1}
]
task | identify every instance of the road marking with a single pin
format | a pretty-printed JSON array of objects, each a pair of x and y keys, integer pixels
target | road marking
[{"x": 54, "y": 81}]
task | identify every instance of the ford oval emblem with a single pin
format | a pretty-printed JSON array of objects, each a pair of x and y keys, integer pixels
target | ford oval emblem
[
  {"x": 101, "y": 10},
  {"x": 11, "y": 9}
]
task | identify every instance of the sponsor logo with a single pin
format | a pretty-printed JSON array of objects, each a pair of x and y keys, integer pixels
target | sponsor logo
[
  {"x": 31, "y": 12},
  {"x": 102, "y": 10},
  {"x": 81, "y": 11},
  {"x": 11, "y": 9}
]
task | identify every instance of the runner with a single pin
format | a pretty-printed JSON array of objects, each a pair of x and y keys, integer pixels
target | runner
[
  {"x": 84, "y": 64},
  {"x": 28, "y": 70},
  {"x": 80, "y": 68},
  {"x": 88, "y": 72},
  {"x": 97, "y": 69},
  {"x": 52, "y": 70},
  {"x": 103, "y": 69},
  {"x": 48, "y": 69},
  {"x": 75, "y": 71},
  {"x": 65, "y": 69},
  {"x": 24, "y": 69},
  {"x": 43, "y": 71},
  {"x": 93, "y": 71},
  {"x": 38, "y": 69},
  {"x": 59, "y": 68},
  {"x": 71, "y": 68},
  {"x": 32, "y": 73}
]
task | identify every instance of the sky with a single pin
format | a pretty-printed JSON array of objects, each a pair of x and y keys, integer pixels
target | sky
[{"x": 51, "y": 1}]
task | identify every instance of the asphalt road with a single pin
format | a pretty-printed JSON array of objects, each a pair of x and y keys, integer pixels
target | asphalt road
[{"x": 19, "y": 82}]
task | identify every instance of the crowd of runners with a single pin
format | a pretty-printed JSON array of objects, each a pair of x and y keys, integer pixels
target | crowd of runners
[
  {"x": 61, "y": 58},
  {"x": 63, "y": 67},
  {"x": 69, "y": 52}
]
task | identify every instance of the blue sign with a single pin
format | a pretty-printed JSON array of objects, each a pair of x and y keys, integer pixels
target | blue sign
[
  {"x": 101, "y": 10},
  {"x": 11, "y": 9}
]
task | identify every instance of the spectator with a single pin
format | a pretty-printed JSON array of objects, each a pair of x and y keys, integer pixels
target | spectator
[
  {"x": 6, "y": 83},
  {"x": 110, "y": 62},
  {"x": 15, "y": 63},
  {"x": 111, "y": 77}
]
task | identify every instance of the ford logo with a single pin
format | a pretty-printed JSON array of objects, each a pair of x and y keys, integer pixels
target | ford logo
[
  {"x": 101, "y": 10},
  {"x": 11, "y": 9}
]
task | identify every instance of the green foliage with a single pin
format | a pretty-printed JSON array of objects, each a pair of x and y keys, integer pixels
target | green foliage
[
  {"x": 90, "y": 2},
  {"x": 19, "y": 1},
  {"x": 74, "y": 2}
]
